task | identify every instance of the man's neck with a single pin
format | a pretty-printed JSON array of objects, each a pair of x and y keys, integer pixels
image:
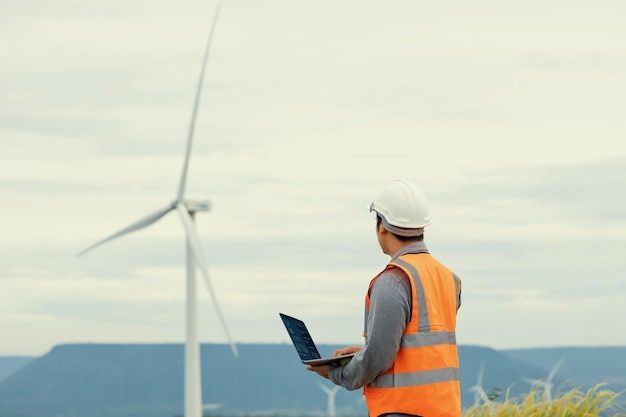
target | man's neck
[{"x": 416, "y": 246}]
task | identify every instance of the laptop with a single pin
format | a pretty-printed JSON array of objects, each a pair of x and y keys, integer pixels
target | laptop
[{"x": 305, "y": 346}]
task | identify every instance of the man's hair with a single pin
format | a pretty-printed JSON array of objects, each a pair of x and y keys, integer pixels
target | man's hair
[{"x": 419, "y": 238}]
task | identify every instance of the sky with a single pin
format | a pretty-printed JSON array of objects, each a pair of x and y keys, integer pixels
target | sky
[{"x": 509, "y": 116}]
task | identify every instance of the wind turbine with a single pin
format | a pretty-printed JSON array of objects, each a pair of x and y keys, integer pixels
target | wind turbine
[
  {"x": 546, "y": 383},
  {"x": 479, "y": 392},
  {"x": 330, "y": 409},
  {"x": 195, "y": 259}
]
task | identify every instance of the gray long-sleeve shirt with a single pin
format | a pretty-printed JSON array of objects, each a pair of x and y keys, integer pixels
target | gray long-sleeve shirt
[{"x": 385, "y": 323}]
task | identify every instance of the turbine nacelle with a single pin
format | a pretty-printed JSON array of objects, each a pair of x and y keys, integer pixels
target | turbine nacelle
[
  {"x": 479, "y": 394},
  {"x": 197, "y": 205},
  {"x": 546, "y": 384}
]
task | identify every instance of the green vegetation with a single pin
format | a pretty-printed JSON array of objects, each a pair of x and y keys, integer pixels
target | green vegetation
[{"x": 595, "y": 402}]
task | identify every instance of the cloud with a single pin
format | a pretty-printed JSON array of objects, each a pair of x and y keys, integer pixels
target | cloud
[{"x": 510, "y": 120}]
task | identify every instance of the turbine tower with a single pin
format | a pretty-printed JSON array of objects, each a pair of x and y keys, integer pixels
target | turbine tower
[
  {"x": 546, "y": 383},
  {"x": 479, "y": 392},
  {"x": 330, "y": 409},
  {"x": 195, "y": 259}
]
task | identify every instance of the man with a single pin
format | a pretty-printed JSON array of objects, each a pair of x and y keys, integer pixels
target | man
[{"x": 409, "y": 362}]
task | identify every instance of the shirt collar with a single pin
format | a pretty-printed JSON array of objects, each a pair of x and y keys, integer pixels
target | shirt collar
[{"x": 414, "y": 247}]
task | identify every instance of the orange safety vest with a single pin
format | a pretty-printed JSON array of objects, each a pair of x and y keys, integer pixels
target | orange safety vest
[{"x": 424, "y": 378}]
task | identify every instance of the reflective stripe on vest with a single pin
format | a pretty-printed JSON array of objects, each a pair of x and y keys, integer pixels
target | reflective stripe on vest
[
  {"x": 428, "y": 339},
  {"x": 424, "y": 378},
  {"x": 416, "y": 378}
]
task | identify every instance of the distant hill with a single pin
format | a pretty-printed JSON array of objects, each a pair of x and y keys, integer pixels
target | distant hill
[
  {"x": 146, "y": 380},
  {"x": 582, "y": 366},
  {"x": 100, "y": 380},
  {"x": 500, "y": 371},
  {"x": 10, "y": 364}
]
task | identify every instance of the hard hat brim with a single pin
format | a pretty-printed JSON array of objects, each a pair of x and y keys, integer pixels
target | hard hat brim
[{"x": 400, "y": 231}]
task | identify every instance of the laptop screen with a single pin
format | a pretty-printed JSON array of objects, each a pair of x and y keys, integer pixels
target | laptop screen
[{"x": 300, "y": 337}]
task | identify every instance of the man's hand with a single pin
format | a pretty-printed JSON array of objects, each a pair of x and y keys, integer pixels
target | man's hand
[
  {"x": 321, "y": 370},
  {"x": 346, "y": 350}
]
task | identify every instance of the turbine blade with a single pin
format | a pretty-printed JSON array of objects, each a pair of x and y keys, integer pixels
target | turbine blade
[
  {"x": 483, "y": 395},
  {"x": 196, "y": 247},
  {"x": 555, "y": 369},
  {"x": 476, "y": 398},
  {"x": 192, "y": 124},
  {"x": 532, "y": 381},
  {"x": 324, "y": 387},
  {"x": 145, "y": 222},
  {"x": 481, "y": 372}
]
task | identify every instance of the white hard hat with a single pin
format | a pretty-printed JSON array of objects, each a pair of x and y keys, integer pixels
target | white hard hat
[{"x": 403, "y": 208}]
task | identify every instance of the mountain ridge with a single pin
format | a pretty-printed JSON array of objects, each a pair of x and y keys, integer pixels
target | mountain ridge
[{"x": 146, "y": 380}]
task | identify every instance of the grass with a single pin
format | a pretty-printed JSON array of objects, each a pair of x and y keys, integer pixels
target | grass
[{"x": 595, "y": 402}]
